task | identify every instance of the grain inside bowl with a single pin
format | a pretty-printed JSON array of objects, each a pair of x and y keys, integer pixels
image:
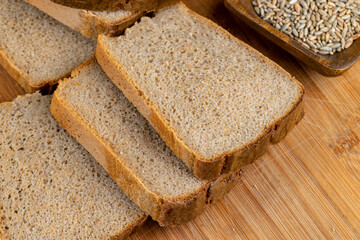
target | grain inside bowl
[{"x": 324, "y": 26}]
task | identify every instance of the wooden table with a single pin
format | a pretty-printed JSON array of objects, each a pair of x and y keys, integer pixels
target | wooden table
[{"x": 306, "y": 187}]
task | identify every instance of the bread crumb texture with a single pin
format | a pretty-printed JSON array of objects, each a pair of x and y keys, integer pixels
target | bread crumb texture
[
  {"x": 41, "y": 47},
  {"x": 216, "y": 93},
  {"x": 50, "y": 186}
]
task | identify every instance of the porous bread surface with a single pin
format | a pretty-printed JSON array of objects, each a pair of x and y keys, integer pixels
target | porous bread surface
[
  {"x": 50, "y": 186},
  {"x": 42, "y": 48},
  {"x": 111, "y": 16},
  {"x": 214, "y": 92},
  {"x": 104, "y": 108}
]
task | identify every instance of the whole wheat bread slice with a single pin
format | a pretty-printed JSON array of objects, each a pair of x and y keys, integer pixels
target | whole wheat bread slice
[
  {"x": 50, "y": 186},
  {"x": 89, "y": 23},
  {"x": 215, "y": 101},
  {"x": 100, "y": 117},
  {"x": 36, "y": 49},
  {"x": 114, "y": 5}
]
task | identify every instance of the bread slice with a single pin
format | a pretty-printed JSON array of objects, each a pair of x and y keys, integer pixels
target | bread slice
[
  {"x": 214, "y": 100},
  {"x": 89, "y": 23},
  {"x": 100, "y": 117},
  {"x": 114, "y": 5},
  {"x": 37, "y": 50},
  {"x": 50, "y": 186}
]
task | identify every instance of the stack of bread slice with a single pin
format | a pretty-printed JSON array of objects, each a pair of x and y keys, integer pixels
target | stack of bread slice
[
  {"x": 117, "y": 135},
  {"x": 50, "y": 186},
  {"x": 172, "y": 108}
]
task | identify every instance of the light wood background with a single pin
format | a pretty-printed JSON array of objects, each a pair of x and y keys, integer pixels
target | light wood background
[{"x": 306, "y": 187}]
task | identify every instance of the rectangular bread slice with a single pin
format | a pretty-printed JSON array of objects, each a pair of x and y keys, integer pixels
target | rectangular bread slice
[
  {"x": 89, "y": 23},
  {"x": 100, "y": 117},
  {"x": 114, "y": 5},
  {"x": 215, "y": 101},
  {"x": 50, "y": 186},
  {"x": 36, "y": 49}
]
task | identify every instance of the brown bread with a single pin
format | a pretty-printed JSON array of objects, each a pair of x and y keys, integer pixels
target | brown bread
[
  {"x": 215, "y": 101},
  {"x": 50, "y": 186},
  {"x": 116, "y": 134},
  {"x": 36, "y": 49}
]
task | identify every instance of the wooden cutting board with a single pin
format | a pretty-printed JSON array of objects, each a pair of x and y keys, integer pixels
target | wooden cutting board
[{"x": 306, "y": 187}]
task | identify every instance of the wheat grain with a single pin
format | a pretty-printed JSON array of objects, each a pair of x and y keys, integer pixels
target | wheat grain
[{"x": 324, "y": 26}]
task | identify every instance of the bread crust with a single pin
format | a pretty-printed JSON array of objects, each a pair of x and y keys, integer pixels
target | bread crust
[
  {"x": 203, "y": 168},
  {"x": 114, "y": 5},
  {"x": 88, "y": 23},
  {"x": 168, "y": 212}
]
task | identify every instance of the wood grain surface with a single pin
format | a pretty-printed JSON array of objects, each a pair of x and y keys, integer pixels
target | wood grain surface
[{"x": 306, "y": 187}]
